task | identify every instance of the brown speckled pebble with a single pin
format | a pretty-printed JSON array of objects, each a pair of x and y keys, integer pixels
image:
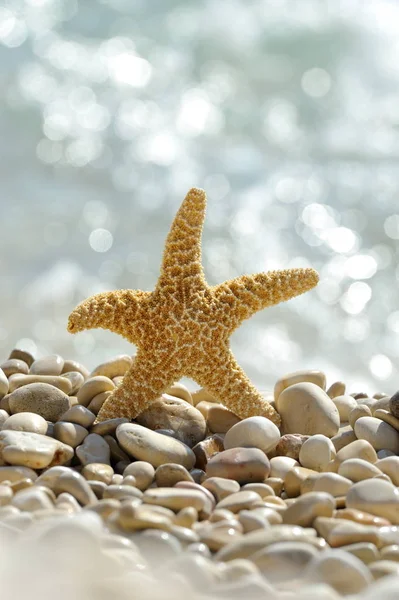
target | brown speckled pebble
[{"x": 40, "y": 398}]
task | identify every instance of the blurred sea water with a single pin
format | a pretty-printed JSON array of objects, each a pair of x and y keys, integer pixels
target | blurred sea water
[{"x": 287, "y": 113}]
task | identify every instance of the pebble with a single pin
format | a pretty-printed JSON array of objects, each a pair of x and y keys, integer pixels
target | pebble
[
  {"x": 253, "y": 432},
  {"x": 22, "y": 355},
  {"x": 390, "y": 466},
  {"x": 345, "y": 404},
  {"x": 377, "y": 497},
  {"x": 114, "y": 367},
  {"x": 136, "y": 518},
  {"x": 80, "y": 415},
  {"x": 26, "y": 421},
  {"x": 290, "y": 445},
  {"x": 309, "y": 506},
  {"x": 40, "y": 398},
  {"x": 245, "y": 465},
  {"x": 345, "y": 573},
  {"x": 143, "y": 472},
  {"x": 33, "y": 450},
  {"x": 220, "y": 419},
  {"x": 75, "y": 484},
  {"x": 361, "y": 410},
  {"x": 69, "y": 433},
  {"x": 47, "y": 365},
  {"x": 98, "y": 472},
  {"x": 305, "y": 408},
  {"x": 117, "y": 454},
  {"x": 343, "y": 438},
  {"x": 295, "y": 479},
  {"x": 76, "y": 380},
  {"x": 147, "y": 445},
  {"x": 32, "y": 499},
  {"x": 94, "y": 449},
  {"x": 334, "y": 484},
  {"x": 207, "y": 448},
  {"x": 387, "y": 417},
  {"x": 357, "y": 449},
  {"x": 178, "y": 390},
  {"x": 178, "y": 498},
  {"x": 394, "y": 405},
  {"x": 280, "y": 465},
  {"x": 16, "y": 473},
  {"x": 168, "y": 474},
  {"x": 92, "y": 387},
  {"x": 73, "y": 365},
  {"x": 221, "y": 487},
  {"x": 61, "y": 383},
  {"x": 365, "y": 551},
  {"x": 3, "y": 384},
  {"x": 384, "y": 568},
  {"x": 380, "y": 435},
  {"x": 243, "y": 500},
  {"x": 178, "y": 415},
  {"x": 282, "y": 558},
  {"x": 316, "y": 452},
  {"x": 307, "y": 376},
  {"x": 337, "y": 388},
  {"x": 14, "y": 365},
  {"x": 357, "y": 469}
]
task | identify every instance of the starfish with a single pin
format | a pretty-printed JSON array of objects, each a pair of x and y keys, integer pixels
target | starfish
[{"x": 182, "y": 328}]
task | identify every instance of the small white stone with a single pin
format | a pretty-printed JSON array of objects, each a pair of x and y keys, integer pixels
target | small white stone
[
  {"x": 26, "y": 421},
  {"x": 253, "y": 432},
  {"x": 317, "y": 452},
  {"x": 380, "y": 435}
]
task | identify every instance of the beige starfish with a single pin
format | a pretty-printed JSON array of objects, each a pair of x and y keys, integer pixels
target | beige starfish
[{"x": 182, "y": 328}]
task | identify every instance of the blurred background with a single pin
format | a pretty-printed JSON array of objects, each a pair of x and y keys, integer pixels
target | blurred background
[{"x": 287, "y": 113}]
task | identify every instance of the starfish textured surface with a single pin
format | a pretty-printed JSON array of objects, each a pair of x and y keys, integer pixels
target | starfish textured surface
[{"x": 182, "y": 328}]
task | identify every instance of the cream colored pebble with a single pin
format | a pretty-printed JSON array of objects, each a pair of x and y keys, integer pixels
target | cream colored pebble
[
  {"x": 361, "y": 410},
  {"x": 310, "y": 376},
  {"x": 357, "y": 469},
  {"x": 336, "y": 389},
  {"x": 3, "y": 384},
  {"x": 47, "y": 365},
  {"x": 26, "y": 421},
  {"x": 345, "y": 404},
  {"x": 143, "y": 472},
  {"x": 380, "y": 435},
  {"x": 92, "y": 387},
  {"x": 113, "y": 367},
  {"x": 19, "y": 380},
  {"x": 317, "y": 452}
]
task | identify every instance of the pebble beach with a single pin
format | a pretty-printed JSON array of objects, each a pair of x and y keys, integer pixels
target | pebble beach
[{"x": 189, "y": 500}]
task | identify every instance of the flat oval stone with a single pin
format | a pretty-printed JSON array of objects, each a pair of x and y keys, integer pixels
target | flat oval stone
[
  {"x": 245, "y": 465},
  {"x": 253, "y": 432},
  {"x": 92, "y": 387},
  {"x": 40, "y": 398},
  {"x": 169, "y": 474},
  {"x": 243, "y": 500},
  {"x": 69, "y": 433},
  {"x": 76, "y": 380},
  {"x": 98, "y": 472},
  {"x": 380, "y": 435},
  {"x": 142, "y": 471},
  {"x": 361, "y": 410},
  {"x": 280, "y": 465},
  {"x": 386, "y": 416},
  {"x": 14, "y": 365},
  {"x": 22, "y": 355},
  {"x": 357, "y": 469},
  {"x": 26, "y": 421},
  {"x": 390, "y": 466},
  {"x": 47, "y": 365},
  {"x": 32, "y": 499},
  {"x": 19, "y": 380},
  {"x": 307, "y": 507},
  {"x": 178, "y": 390},
  {"x": 276, "y": 560},
  {"x": 137, "y": 518},
  {"x": 305, "y": 408},
  {"x": 178, "y": 415},
  {"x": 310, "y": 376},
  {"x": 333, "y": 484},
  {"x": 345, "y": 404},
  {"x": 80, "y": 415},
  {"x": 316, "y": 452},
  {"x": 377, "y": 497},
  {"x": 3, "y": 384},
  {"x": 114, "y": 367},
  {"x": 343, "y": 438},
  {"x": 220, "y": 418},
  {"x": 15, "y": 473},
  {"x": 341, "y": 570},
  {"x": 336, "y": 389},
  {"x": 93, "y": 450},
  {"x": 357, "y": 449},
  {"x": 221, "y": 487},
  {"x": 147, "y": 445},
  {"x": 176, "y": 498},
  {"x": 73, "y": 365},
  {"x": 75, "y": 484},
  {"x": 33, "y": 450}
]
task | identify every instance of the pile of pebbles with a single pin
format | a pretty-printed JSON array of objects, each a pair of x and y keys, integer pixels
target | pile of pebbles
[{"x": 190, "y": 499}]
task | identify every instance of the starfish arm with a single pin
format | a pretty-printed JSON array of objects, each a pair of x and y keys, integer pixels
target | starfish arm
[
  {"x": 181, "y": 264},
  {"x": 142, "y": 384},
  {"x": 226, "y": 380},
  {"x": 117, "y": 311},
  {"x": 239, "y": 298}
]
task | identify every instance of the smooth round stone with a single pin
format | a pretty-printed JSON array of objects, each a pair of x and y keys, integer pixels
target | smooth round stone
[
  {"x": 380, "y": 435},
  {"x": 68, "y": 503},
  {"x": 252, "y": 522},
  {"x": 40, "y": 398},
  {"x": 390, "y": 552},
  {"x": 357, "y": 469},
  {"x": 76, "y": 380},
  {"x": 33, "y": 450},
  {"x": 305, "y": 408},
  {"x": 93, "y": 450},
  {"x": 394, "y": 405},
  {"x": 361, "y": 410},
  {"x": 98, "y": 472},
  {"x": 14, "y": 365},
  {"x": 73, "y": 365},
  {"x": 3, "y": 384},
  {"x": 114, "y": 367},
  {"x": 32, "y": 499},
  {"x": 177, "y": 498},
  {"x": 75, "y": 484},
  {"x": 26, "y": 421},
  {"x": 47, "y": 365},
  {"x": 377, "y": 497},
  {"x": 281, "y": 465},
  {"x": 178, "y": 390},
  {"x": 186, "y": 517},
  {"x": 15, "y": 473},
  {"x": 341, "y": 570},
  {"x": 279, "y": 559},
  {"x": 343, "y": 438},
  {"x": 384, "y": 568},
  {"x": 204, "y": 450},
  {"x": 203, "y": 395},
  {"x": 316, "y": 452},
  {"x": 6, "y": 494},
  {"x": 295, "y": 479},
  {"x": 364, "y": 551},
  {"x": 220, "y": 419},
  {"x": 333, "y": 484},
  {"x": 245, "y": 465},
  {"x": 3, "y": 416},
  {"x": 138, "y": 518},
  {"x": 221, "y": 487},
  {"x": 306, "y": 376},
  {"x": 109, "y": 426},
  {"x": 390, "y": 466},
  {"x": 178, "y": 415},
  {"x": 22, "y": 355},
  {"x": 143, "y": 472},
  {"x": 92, "y": 387},
  {"x": 336, "y": 389},
  {"x": 290, "y": 445},
  {"x": 217, "y": 537},
  {"x": 97, "y": 402},
  {"x": 357, "y": 449},
  {"x": 345, "y": 404},
  {"x": 253, "y": 432},
  {"x": 307, "y": 507},
  {"x": 117, "y": 454},
  {"x": 244, "y": 500},
  {"x": 169, "y": 474},
  {"x": 70, "y": 433},
  {"x": 157, "y": 449},
  {"x": 260, "y": 488},
  {"x": 80, "y": 415},
  {"x": 19, "y": 380}
]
